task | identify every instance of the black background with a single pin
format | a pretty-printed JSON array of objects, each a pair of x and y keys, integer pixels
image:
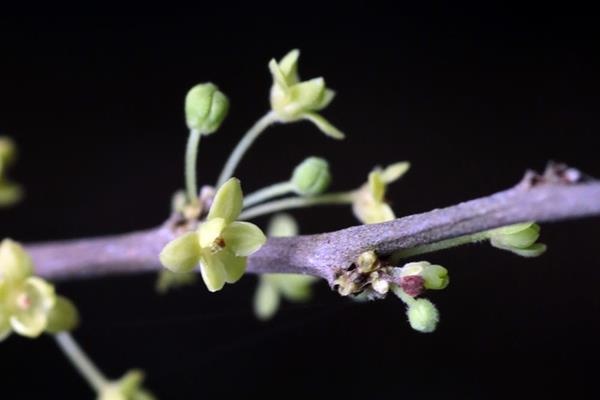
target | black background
[{"x": 472, "y": 99}]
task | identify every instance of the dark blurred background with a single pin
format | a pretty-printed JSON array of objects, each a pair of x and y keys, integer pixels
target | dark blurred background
[{"x": 472, "y": 99}]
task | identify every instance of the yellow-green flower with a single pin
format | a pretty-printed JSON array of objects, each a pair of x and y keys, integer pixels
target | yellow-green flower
[
  {"x": 220, "y": 245},
  {"x": 272, "y": 287},
  {"x": 29, "y": 304},
  {"x": 293, "y": 100},
  {"x": 369, "y": 203},
  {"x": 129, "y": 387}
]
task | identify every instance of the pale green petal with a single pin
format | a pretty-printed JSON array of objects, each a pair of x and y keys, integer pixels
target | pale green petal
[
  {"x": 393, "y": 172},
  {"x": 30, "y": 324},
  {"x": 5, "y": 329},
  {"x": 509, "y": 230},
  {"x": 266, "y": 301},
  {"x": 210, "y": 231},
  {"x": 306, "y": 96},
  {"x": 15, "y": 263},
  {"x": 289, "y": 66},
  {"x": 370, "y": 212},
  {"x": 213, "y": 271},
  {"x": 42, "y": 293},
  {"x": 521, "y": 240},
  {"x": 10, "y": 193},
  {"x": 227, "y": 203},
  {"x": 63, "y": 316},
  {"x": 326, "y": 99},
  {"x": 181, "y": 254},
  {"x": 243, "y": 238},
  {"x": 377, "y": 185},
  {"x": 234, "y": 266},
  {"x": 278, "y": 76},
  {"x": 324, "y": 125},
  {"x": 293, "y": 287},
  {"x": 435, "y": 277},
  {"x": 168, "y": 280},
  {"x": 282, "y": 225},
  {"x": 535, "y": 250}
]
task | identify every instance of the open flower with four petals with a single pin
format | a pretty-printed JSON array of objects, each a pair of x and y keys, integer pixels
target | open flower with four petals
[{"x": 220, "y": 245}]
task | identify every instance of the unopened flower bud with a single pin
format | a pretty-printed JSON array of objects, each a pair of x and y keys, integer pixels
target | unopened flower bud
[
  {"x": 423, "y": 316},
  {"x": 311, "y": 177},
  {"x": 205, "y": 108}
]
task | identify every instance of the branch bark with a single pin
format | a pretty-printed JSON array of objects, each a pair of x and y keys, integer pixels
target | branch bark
[{"x": 560, "y": 193}]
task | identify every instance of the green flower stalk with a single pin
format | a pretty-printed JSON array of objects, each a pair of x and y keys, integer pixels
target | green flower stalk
[
  {"x": 273, "y": 287},
  {"x": 205, "y": 109},
  {"x": 369, "y": 203},
  {"x": 310, "y": 178},
  {"x": 294, "y": 100},
  {"x": 220, "y": 245},
  {"x": 28, "y": 304}
]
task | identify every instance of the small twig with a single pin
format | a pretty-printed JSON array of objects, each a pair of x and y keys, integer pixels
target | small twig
[{"x": 560, "y": 193}]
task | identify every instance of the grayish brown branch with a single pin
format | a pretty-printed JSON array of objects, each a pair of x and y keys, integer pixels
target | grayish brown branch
[{"x": 561, "y": 193}]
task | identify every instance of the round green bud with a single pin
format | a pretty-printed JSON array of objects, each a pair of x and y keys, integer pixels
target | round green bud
[
  {"x": 435, "y": 277},
  {"x": 205, "y": 108},
  {"x": 423, "y": 316},
  {"x": 311, "y": 177}
]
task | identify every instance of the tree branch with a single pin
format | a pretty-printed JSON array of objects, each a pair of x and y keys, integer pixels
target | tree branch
[{"x": 560, "y": 193}]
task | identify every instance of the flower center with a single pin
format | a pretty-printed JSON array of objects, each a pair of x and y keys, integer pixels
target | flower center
[
  {"x": 217, "y": 245},
  {"x": 23, "y": 301}
]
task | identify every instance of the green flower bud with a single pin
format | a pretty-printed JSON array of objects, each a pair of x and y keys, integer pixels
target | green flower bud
[
  {"x": 311, "y": 177},
  {"x": 519, "y": 239},
  {"x": 423, "y": 316},
  {"x": 205, "y": 108},
  {"x": 434, "y": 276}
]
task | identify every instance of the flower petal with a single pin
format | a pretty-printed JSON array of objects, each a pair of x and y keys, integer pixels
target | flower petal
[
  {"x": 181, "y": 254},
  {"x": 278, "y": 76},
  {"x": 213, "y": 271},
  {"x": 377, "y": 185},
  {"x": 63, "y": 316},
  {"x": 324, "y": 125},
  {"x": 326, "y": 99},
  {"x": 209, "y": 231},
  {"x": 243, "y": 238},
  {"x": 393, "y": 172},
  {"x": 5, "y": 328},
  {"x": 282, "y": 225},
  {"x": 234, "y": 266},
  {"x": 228, "y": 200},
  {"x": 266, "y": 300},
  {"x": 289, "y": 66},
  {"x": 29, "y": 324},
  {"x": 306, "y": 96},
  {"x": 15, "y": 263},
  {"x": 293, "y": 287}
]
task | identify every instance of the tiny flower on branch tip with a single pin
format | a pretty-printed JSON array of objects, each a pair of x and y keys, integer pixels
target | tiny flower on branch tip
[
  {"x": 311, "y": 177},
  {"x": 293, "y": 100},
  {"x": 28, "y": 304},
  {"x": 519, "y": 239},
  {"x": 220, "y": 245},
  {"x": 369, "y": 203},
  {"x": 422, "y": 315},
  {"x": 129, "y": 387}
]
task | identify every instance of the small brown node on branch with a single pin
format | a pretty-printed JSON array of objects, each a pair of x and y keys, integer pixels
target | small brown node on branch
[
  {"x": 556, "y": 174},
  {"x": 368, "y": 273}
]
